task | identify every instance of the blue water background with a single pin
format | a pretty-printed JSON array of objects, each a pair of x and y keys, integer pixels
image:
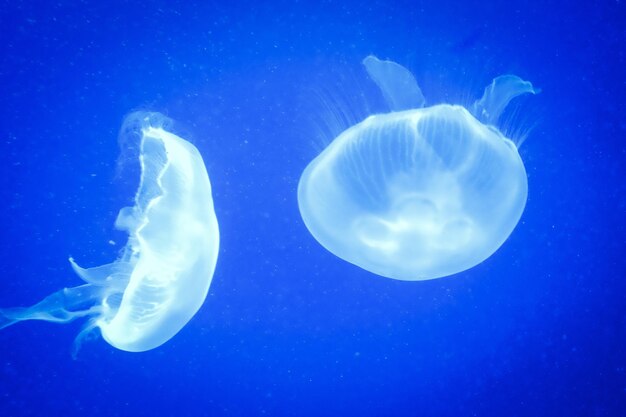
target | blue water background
[{"x": 539, "y": 329}]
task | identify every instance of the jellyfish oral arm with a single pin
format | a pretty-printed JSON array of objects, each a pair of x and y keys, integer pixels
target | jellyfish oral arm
[
  {"x": 61, "y": 307},
  {"x": 497, "y": 96},
  {"x": 397, "y": 84}
]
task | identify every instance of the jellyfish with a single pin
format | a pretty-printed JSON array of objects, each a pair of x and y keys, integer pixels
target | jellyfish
[
  {"x": 163, "y": 274},
  {"x": 420, "y": 192}
]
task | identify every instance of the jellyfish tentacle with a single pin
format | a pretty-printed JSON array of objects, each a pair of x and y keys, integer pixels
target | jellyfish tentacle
[
  {"x": 397, "y": 84},
  {"x": 498, "y": 95}
]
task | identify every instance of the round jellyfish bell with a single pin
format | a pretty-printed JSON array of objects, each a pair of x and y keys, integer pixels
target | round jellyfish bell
[
  {"x": 164, "y": 272},
  {"x": 420, "y": 192}
]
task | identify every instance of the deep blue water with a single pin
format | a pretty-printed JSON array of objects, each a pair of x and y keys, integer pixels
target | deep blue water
[{"x": 539, "y": 329}]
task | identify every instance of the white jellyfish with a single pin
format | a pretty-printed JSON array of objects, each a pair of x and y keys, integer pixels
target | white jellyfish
[
  {"x": 421, "y": 192},
  {"x": 164, "y": 272}
]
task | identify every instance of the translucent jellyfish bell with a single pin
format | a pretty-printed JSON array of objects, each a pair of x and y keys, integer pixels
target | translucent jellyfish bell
[
  {"x": 421, "y": 192},
  {"x": 164, "y": 272}
]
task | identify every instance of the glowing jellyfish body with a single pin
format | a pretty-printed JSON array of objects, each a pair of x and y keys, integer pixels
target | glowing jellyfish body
[
  {"x": 418, "y": 193},
  {"x": 164, "y": 272}
]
